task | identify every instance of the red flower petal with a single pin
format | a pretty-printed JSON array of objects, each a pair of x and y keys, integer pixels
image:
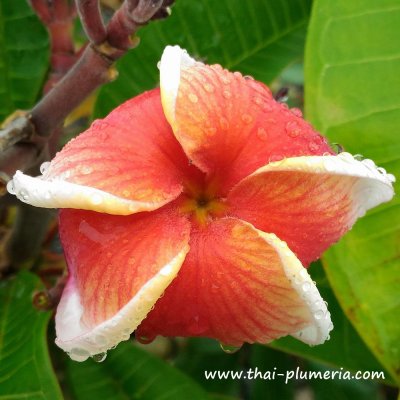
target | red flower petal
[
  {"x": 227, "y": 124},
  {"x": 118, "y": 268},
  {"x": 125, "y": 163},
  {"x": 239, "y": 285},
  {"x": 310, "y": 202}
]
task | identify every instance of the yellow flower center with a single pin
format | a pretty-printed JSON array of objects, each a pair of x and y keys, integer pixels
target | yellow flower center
[{"x": 201, "y": 202}]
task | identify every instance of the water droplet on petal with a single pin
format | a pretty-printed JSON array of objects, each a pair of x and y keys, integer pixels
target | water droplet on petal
[
  {"x": 145, "y": 339},
  {"x": 23, "y": 195},
  {"x": 10, "y": 187},
  {"x": 297, "y": 112},
  {"x": 44, "y": 167},
  {"x": 369, "y": 163},
  {"x": 247, "y": 119},
  {"x": 306, "y": 286},
  {"x": 229, "y": 349},
  {"x": 226, "y": 79},
  {"x": 100, "y": 357},
  {"x": 313, "y": 146},
  {"x": 258, "y": 100},
  {"x": 227, "y": 94},
  {"x": 262, "y": 134},
  {"x": 209, "y": 88},
  {"x": 86, "y": 170},
  {"x": 248, "y": 77},
  {"x": 159, "y": 65},
  {"x": 319, "y": 314},
  {"x": 78, "y": 354},
  {"x": 293, "y": 129},
  {"x": 193, "y": 98},
  {"x": 358, "y": 157}
]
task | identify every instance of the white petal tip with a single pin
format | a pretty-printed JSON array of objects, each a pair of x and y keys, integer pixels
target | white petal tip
[
  {"x": 172, "y": 61},
  {"x": 317, "y": 331},
  {"x": 82, "y": 342},
  {"x": 58, "y": 193}
]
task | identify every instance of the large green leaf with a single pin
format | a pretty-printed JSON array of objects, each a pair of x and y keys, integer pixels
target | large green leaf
[
  {"x": 24, "y": 54},
  {"x": 353, "y": 96},
  {"x": 130, "y": 373},
  {"x": 25, "y": 369},
  {"x": 258, "y": 37},
  {"x": 345, "y": 349}
]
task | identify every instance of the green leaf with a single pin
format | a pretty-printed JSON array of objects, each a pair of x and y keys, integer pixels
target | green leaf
[
  {"x": 24, "y": 55},
  {"x": 258, "y": 38},
  {"x": 352, "y": 95},
  {"x": 345, "y": 348},
  {"x": 130, "y": 373},
  {"x": 25, "y": 368}
]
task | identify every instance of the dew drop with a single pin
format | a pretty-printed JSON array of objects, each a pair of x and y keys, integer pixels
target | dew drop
[
  {"x": 297, "y": 112},
  {"x": 159, "y": 65},
  {"x": 391, "y": 178},
  {"x": 358, "y": 157},
  {"x": 100, "y": 357},
  {"x": 262, "y": 134},
  {"x": 227, "y": 94},
  {"x": 247, "y": 119},
  {"x": 258, "y": 100},
  {"x": 369, "y": 163},
  {"x": 44, "y": 167},
  {"x": 293, "y": 129},
  {"x": 10, "y": 187},
  {"x": 248, "y": 77},
  {"x": 229, "y": 349},
  {"x": 319, "y": 314},
  {"x": 86, "y": 170},
  {"x": 145, "y": 339},
  {"x": 209, "y": 88},
  {"x": 313, "y": 146},
  {"x": 382, "y": 170},
  {"x": 23, "y": 195},
  {"x": 306, "y": 286},
  {"x": 78, "y": 354},
  {"x": 193, "y": 98},
  {"x": 226, "y": 79}
]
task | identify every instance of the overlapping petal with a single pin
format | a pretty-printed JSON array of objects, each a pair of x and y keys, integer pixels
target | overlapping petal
[
  {"x": 118, "y": 267},
  {"x": 310, "y": 202},
  {"x": 238, "y": 285},
  {"x": 229, "y": 125},
  {"x": 125, "y": 163}
]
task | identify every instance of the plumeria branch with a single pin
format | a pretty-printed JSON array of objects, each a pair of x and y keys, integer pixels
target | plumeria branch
[{"x": 94, "y": 68}]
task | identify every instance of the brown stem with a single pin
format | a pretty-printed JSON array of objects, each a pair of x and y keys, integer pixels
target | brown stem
[
  {"x": 22, "y": 155},
  {"x": 92, "y": 21},
  {"x": 128, "y": 18},
  {"x": 91, "y": 71},
  {"x": 18, "y": 129}
]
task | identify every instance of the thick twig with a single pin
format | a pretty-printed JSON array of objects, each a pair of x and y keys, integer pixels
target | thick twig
[
  {"x": 89, "y": 12},
  {"x": 93, "y": 69},
  {"x": 128, "y": 18},
  {"x": 18, "y": 129},
  {"x": 21, "y": 156}
]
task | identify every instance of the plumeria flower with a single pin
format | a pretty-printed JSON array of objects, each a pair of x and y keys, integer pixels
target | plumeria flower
[{"x": 194, "y": 210}]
